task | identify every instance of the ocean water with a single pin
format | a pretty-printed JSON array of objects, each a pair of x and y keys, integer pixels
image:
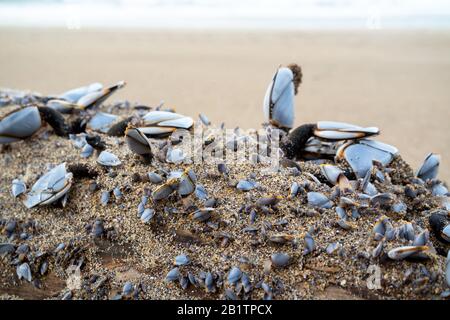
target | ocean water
[{"x": 227, "y": 14}]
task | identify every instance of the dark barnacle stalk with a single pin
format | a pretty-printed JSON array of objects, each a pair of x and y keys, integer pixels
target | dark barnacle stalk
[
  {"x": 118, "y": 129},
  {"x": 56, "y": 120},
  {"x": 293, "y": 144}
]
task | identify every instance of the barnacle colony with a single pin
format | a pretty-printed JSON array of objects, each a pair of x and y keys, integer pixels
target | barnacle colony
[
  {"x": 324, "y": 139},
  {"x": 350, "y": 185}
]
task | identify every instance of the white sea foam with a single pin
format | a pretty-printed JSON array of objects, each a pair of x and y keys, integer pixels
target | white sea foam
[{"x": 228, "y": 14}]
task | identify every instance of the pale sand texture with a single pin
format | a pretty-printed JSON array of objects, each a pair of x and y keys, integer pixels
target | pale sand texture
[{"x": 398, "y": 81}]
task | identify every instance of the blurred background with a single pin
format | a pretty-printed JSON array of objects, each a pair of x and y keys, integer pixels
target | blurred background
[{"x": 381, "y": 63}]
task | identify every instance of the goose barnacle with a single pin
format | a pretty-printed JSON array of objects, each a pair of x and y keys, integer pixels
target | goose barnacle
[
  {"x": 335, "y": 176},
  {"x": 187, "y": 182},
  {"x": 87, "y": 151},
  {"x": 74, "y": 95},
  {"x": 24, "y": 271},
  {"x": 97, "y": 97},
  {"x": 50, "y": 187},
  {"x": 84, "y": 97},
  {"x": 278, "y": 102},
  {"x": 430, "y": 167},
  {"x": 138, "y": 142},
  {"x": 163, "y": 123},
  {"x": 440, "y": 225},
  {"x": 322, "y": 138},
  {"x": 234, "y": 276},
  {"x": 401, "y": 253},
  {"x": 19, "y": 124},
  {"x": 182, "y": 260},
  {"x": 280, "y": 259},
  {"x": 165, "y": 190},
  {"x": 360, "y": 155},
  {"x": 102, "y": 122},
  {"x": 319, "y": 200}
]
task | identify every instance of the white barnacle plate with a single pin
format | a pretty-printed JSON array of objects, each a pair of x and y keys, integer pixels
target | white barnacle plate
[
  {"x": 19, "y": 124},
  {"x": 50, "y": 187},
  {"x": 102, "y": 122},
  {"x": 279, "y": 99}
]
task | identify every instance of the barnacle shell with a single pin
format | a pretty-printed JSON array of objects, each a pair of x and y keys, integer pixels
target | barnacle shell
[
  {"x": 102, "y": 122},
  {"x": 360, "y": 155},
  {"x": 440, "y": 226},
  {"x": 331, "y": 130},
  {"x": 108, "y": 159},
  {"x": 406, "y": 251},
  {"x": 138, "y": 142},
  {"x": 96, "y": 98},
  {"x": 161, "y": 123},
  {"x": 278, "y": 103},
  {"x": 50, "y": 187},
  {"x": 430, "y": 167},
  {"x": 74, "y": 95},
  {"x": 19, "y": 124}
]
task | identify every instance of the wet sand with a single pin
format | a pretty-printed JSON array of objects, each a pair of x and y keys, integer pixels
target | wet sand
[{"x": 397, "y": 81}]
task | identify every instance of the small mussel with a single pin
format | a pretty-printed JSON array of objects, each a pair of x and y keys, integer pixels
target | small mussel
[
  {"x": 310, "y": 244},
  {"x": 155, "y": 177},
  {"x": 138, "y": 142},
  {"x": 182, "y": 260},
  {"x": 173, "y": 275},
  {"x": 406, "y": 251},
  {"x": 50, "y": 187},
  {"x": 430, "y": 167},
  {"x": 361, "y": 154},
  {"x": 234, "y": 275},
  {"x": 319, "y": 200},
  {"x": 24, "y": 271},
  {"x": 18, "y": 188},
  {"x": 87, "y": 151},
  {"x": 209, "y": 283},
  {"x": 108, "y": 159},
  {"x": 147, "y": 215},
  {"x": 440, "y": 225},
  {"x": 127, "y": 289},
  {"x": 202, "y": 215},
  {"x": 245, "y": 185},
  {"x": 200, "y": 192},
  {"x": 104, "y": 198},
  {"x": 98, "y": 228},
  {"x": 187, "y": 182},
  {"x": 165, "y": 190},
  {"x": 280, "y": 259},
  {"x": 382, "y": 226},
  {"x": 102, "y": 122},
  {"x": 281, "y": 238},
  {"x": 268, "y": 201}
]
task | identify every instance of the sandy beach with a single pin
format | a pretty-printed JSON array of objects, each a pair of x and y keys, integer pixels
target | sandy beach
[
  {"x": 240, "y": 230},
  {"x": 396, "y": 80}
]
